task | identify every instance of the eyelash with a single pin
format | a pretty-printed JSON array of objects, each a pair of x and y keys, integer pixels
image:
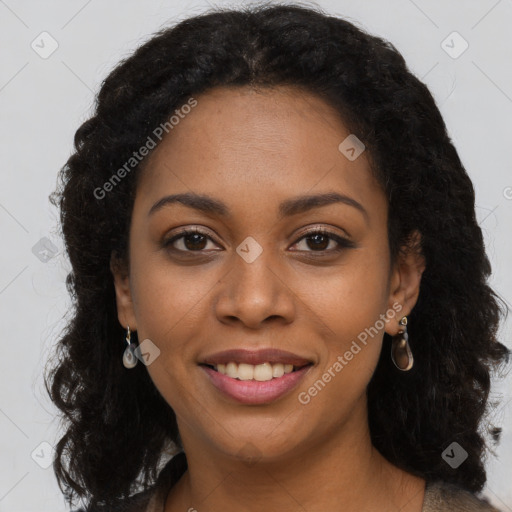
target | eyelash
[{"x": 343, "y": 243}]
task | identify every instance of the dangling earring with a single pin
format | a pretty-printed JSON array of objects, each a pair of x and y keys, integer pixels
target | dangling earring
[
  {"x": 401, "y": 354},
  {"x": 129, "y": 359}
]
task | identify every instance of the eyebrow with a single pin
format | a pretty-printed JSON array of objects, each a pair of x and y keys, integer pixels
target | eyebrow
[{"x": 294, "y": 206}]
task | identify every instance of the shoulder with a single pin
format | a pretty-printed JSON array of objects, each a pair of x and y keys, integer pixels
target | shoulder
[
  {"x": 153, "y": 498},
  {"x": 443, "y": 497},
  {"x": 136, "y": 503}
]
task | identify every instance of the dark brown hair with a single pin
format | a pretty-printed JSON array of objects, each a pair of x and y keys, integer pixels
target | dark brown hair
[{"x": 118, "y": 426}]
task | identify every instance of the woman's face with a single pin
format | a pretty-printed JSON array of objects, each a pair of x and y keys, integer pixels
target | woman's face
[{"x": 251, "y": 280}]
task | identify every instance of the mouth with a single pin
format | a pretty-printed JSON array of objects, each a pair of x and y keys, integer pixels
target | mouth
[
  {"x": 255, "y": 377},
  {"x": 260, "y": 372},
  {"x": 259, "y": 365},
  {"x": 260, "y": 388}
]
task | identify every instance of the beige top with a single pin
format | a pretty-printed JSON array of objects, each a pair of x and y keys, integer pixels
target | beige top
[{"x": 439, "y": 496}]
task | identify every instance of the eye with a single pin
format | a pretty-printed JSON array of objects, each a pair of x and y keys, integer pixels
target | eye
[
  {"x": 191, "y": 240},
  {"x": 195, "y": 240},
  {"x": 319, "y": 239}
]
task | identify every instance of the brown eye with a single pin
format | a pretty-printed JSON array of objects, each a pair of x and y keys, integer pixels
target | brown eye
[
  {"x": 194, "y": 241},
  {"x": 191, "y": 240},
  {"x": 318, "y": 240}
]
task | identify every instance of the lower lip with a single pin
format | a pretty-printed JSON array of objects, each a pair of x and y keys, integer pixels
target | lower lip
[{"x": 253, "y": 391}]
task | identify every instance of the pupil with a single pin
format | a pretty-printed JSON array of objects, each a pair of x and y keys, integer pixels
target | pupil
[
  {"x": 316, "y": 239},
  {"x": 196, "y": 237},
  {"x": 197, "y": 241}
]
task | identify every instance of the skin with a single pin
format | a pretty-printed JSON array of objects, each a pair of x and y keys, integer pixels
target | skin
[{"x": 253, "y": 149}]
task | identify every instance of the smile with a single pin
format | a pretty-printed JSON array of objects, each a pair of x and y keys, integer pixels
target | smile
[
  {"x": 255, "y": 384},
  {"x": 260, "y": 372}
]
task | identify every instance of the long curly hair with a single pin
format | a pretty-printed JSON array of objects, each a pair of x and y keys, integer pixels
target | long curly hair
[{"x": 118, "y": 426}]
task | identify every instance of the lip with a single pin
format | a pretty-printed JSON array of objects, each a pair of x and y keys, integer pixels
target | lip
[
  {"x": 255, "y": 392},
  {"x": 266, "y": 355}
]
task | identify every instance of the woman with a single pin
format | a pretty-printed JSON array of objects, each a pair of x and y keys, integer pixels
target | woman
[{"x": 278, "y": 278}]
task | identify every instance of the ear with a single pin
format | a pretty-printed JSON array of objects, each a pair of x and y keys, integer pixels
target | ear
[
  {"x": 405, "y": 280},
  {"x": 125, "y": 309}
]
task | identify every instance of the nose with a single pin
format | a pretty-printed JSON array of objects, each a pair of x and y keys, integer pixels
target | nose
[{"x": 255, "y": 293}]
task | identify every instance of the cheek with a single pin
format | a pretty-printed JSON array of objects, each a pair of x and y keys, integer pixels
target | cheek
[
  {"x": 169, "y": 303},
  {"x": 350, "y": 304},
  {"x": 351, "y": 297},
  {"x": 168, "y": 297}
]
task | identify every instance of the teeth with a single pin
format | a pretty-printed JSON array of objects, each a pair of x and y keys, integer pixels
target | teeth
[
  {"x": 259, "y": 372},
  {"x": 245, "y": 371},
  {"x": 277, "y": 370}
]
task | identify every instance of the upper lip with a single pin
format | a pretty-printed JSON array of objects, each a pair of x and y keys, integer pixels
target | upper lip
[{"x": 270, "y": 355}]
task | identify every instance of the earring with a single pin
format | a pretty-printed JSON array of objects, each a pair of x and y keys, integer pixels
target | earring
[
  {"x": 401, "y": 354},
  {"x": 129, "y": 359}
]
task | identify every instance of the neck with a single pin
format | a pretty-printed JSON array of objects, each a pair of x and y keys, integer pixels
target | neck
[{"x": 342, "y": 468}]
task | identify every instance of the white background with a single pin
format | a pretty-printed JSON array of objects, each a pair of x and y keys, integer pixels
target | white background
[{"x": 43, "y": 101}]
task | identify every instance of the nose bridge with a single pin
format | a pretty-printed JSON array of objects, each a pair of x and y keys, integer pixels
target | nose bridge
[{"x": 253, "y": 289}]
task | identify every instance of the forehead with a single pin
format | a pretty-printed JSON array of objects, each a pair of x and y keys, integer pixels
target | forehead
[{"x": 250, "y": 147}]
